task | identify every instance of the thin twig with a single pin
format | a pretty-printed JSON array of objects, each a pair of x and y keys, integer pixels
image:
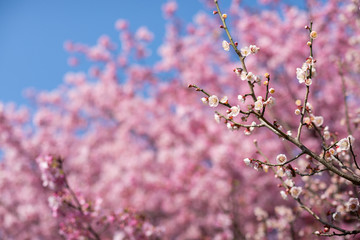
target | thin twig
[
  {"x": 353, "y": 154},
  {"x": 307, "y": 89},
  {"x": 282, "y": 164},
  {"x": 241, "y": 57},
  {"x": 312, "y": 173},
  {"x": 239, "y": 124}
]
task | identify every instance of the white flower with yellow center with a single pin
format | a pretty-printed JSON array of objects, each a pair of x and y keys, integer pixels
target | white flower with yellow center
[{"x": 213, "y": 101}]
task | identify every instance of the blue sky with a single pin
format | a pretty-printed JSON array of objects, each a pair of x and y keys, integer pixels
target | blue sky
[{"x": 32, "y": 34}]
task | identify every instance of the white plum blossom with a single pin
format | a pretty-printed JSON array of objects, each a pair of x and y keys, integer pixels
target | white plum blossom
[
  {"x": 352, "y": 205},
  {"x": 309, "y": 106},
  {"x": 259, "y": 104},
  {"x": 309, "y": 63},
  {"x": 280, "y": 172},
  {"x": 234, "y": 111},
  {"x": 204, "y": 100},
  {"x": 300, "y": 75},
  {"x": 295, "y": 192},
  {"x": 254, "y": 49},
  {"x": 270, "y": 101},
  {"x": 250, "y": 76},
  {"x": 326, "y": 133},
  {"x": 283, "y": 195},
  {"x": 343, "y": 144},
  {"x": 308, "y": 81},
  {"x": 243, "y": 75},
  {"x": 217, "y": 117},
  {"x": 318, "y": 121},
  {"x": 247, "y": 161},
  {"x": 332, "y": 151},
  {"x": 307, "y": 120},
  {"x": 241, "y": 98},
  {"x": 224, "y": 99},
  {"x": 281, "y": 158},
  {"x": 289, "y": 182},
  {"x": 245, "y": 51},
  {"x": 303, "y": 73},
  {"x": 257, "y": 79},
  {"x": 225, "y": 45},
  {"x": 213, "y": 101}
]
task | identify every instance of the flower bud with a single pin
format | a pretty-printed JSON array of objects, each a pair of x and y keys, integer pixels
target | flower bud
[{"x": 313, "y": 34}]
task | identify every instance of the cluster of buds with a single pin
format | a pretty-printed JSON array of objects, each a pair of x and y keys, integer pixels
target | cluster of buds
[
  {"x": 247, "y": 76},
  {"x": 213, "y": 100},
  {"x": 325, "y": 230},
  {"x": 257, "y": 165},
  {"x": 315, "y": 120},
  {"x": 311, "y": 119},
  {"x": 260, "y": 102},
  {"x": 341, "y": 148}
]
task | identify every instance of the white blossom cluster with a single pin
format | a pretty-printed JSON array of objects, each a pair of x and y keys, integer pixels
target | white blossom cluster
[
  {"x": 245, "y": 51},
  {"x": 303, "y": 73}
]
